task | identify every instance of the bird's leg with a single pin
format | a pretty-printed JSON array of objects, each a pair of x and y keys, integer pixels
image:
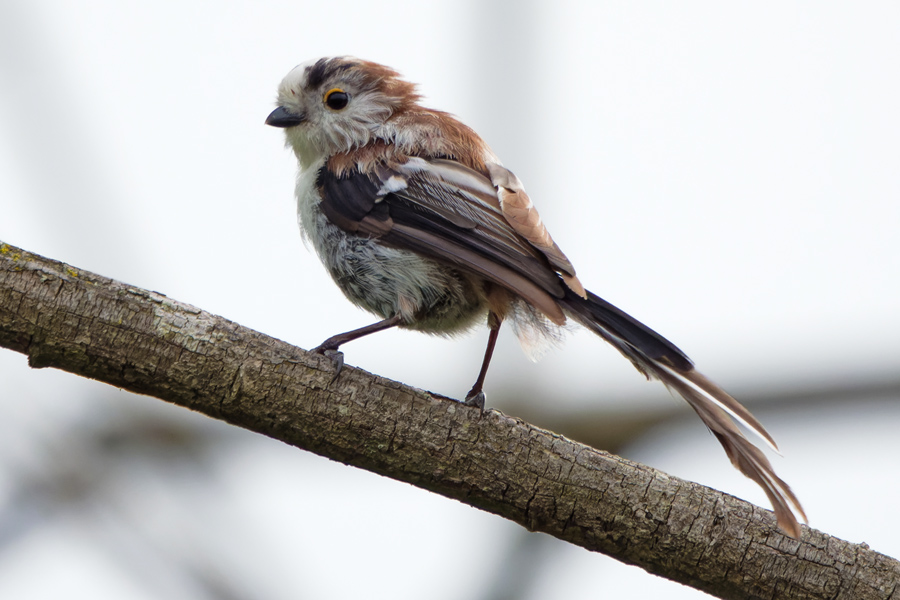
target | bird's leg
[
  {"x": 475, "y": 397},
  {"x": 330, "y": 346}
]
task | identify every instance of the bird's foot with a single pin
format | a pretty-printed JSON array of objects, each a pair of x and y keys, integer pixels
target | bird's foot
[
  {"x": 336, "y": 356},
  {"x": 475, "y": 398}
]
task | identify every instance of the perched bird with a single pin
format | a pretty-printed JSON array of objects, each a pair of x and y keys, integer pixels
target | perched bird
[{"x": 417, "y": 221}]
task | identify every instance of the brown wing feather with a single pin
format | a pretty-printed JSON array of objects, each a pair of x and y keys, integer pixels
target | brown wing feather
[
  {"x": 524, "y": 218},
  {"x": 469, "y": 200}
]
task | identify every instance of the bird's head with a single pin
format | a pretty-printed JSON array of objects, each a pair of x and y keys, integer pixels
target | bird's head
[{"x": 333, "y": 105}]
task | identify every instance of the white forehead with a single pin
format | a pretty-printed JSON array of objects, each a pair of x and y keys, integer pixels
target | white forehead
[{"x": 296, "y": 77}]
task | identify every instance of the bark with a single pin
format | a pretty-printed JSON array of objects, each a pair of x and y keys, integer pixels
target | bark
[{"x": 66, "y": 318}]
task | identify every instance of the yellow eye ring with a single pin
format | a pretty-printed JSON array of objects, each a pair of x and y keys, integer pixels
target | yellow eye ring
[{"x": 336, "y": 98}]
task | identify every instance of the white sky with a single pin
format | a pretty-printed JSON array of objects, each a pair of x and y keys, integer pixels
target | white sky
[{"x": 728, "y": 174}]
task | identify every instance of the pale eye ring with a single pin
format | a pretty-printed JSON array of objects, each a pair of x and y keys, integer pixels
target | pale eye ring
[{"x": 336, "y": 99}]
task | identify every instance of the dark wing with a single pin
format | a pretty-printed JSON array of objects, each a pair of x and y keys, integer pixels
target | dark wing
[{"x": 445, "y": 211}]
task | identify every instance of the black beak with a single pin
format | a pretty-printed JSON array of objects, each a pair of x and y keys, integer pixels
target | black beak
[{"x": 282, "y": 118}]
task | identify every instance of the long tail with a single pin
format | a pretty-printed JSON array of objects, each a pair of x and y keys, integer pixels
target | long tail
[{"x": 656, "y": 357}]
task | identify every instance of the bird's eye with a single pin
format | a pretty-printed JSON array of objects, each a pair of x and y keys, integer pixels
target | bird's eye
[{"x": 336, "y": 98}]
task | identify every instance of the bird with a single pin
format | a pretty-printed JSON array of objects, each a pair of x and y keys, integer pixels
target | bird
[{"x": 418, "y": 222}]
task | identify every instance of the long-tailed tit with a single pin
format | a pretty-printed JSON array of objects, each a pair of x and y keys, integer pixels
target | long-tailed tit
[{"x": 418, "y": 222}]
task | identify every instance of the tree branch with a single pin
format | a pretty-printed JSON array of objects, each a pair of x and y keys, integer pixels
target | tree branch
[{"x": 62, "y": 317}]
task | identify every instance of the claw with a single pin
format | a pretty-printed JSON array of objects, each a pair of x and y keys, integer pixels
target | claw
[
  {"x": 475, "y": 398},
  {"x": 330, "y": 346},
  {"x": 336, "y": 356}
]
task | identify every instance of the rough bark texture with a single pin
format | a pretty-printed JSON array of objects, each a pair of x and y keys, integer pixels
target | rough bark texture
[{"x": 142, "y": 341}]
